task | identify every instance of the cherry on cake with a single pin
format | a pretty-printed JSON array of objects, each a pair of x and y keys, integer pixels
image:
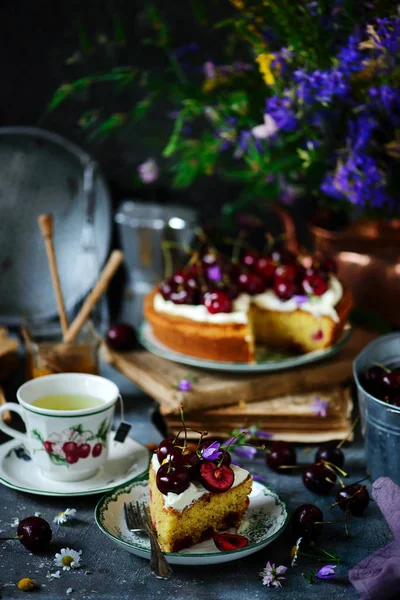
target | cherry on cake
[
  {"x": 218, "y": 309},
  {"x": 194, "y": 495}
]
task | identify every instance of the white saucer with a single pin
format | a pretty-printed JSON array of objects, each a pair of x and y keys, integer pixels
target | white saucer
[
  {"x": 126, "y": 461},
  {"x": 265, "y": 520}
]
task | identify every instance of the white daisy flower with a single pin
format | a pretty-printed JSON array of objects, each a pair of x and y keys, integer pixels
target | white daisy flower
[
  {"x": 38, "y": 514},
  {"x": 69, "y": 591},
  {"x": 295, "y": 552},
  {"x": 55, "y": 575},
  {"x": 15, "y": 522},
  {"x": 68, "y": 559},
  {"x": 63, "y": 517}
]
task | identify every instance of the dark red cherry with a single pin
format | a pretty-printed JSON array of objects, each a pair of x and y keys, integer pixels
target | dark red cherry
[
  {"x": 34, "y": 533},
  {"x": 283, "y": 256},
  {"x": 395, "y": 401},
  {"x": 330, "y": 453},
  {"x": 216, "y": 478},
  {"x": 121, "y": 337},
  {"x": 209, "y": 259},
  {"x": 226, "y": 459},
  {"x": 315, "y": 285},
  {"x": 166, "y": 288},
  {"x": 180, "y": 277},
  {"x": 250, "y": 258},
  {"x": 372, "y": 381},
  {"x": 184, "y": 295},
  {"x": 172, "y": 479},
  {"x": 328, "y": 265},
  {"x": 217, "y": 302},
  {"x": 233, "y": 271},
  {"x": 392, "y": 379},
  {"x": 230, "y": 289},
  {"x": 287, "y": 272},
  {"x": 281, "y": 454},
  {"x": 353, "y": 498},
  {"x": 265, "y": 267},
  {"x": 191, "y": 461},
  {"x": 307, "y": 522},
  {"x": 318, "y": 478},
  {"x": 251, "y": 283},
  {"x": 284, "y": 288},
  {"x": 164, "y": 448}
]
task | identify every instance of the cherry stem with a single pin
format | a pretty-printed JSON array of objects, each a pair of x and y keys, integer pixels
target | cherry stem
[
  {"x": 340, "y": 444},
  {"x": 332, "y": 556},
  {"x": 184, "y": 426},
  {"x": 224, "y": 452},
  {"x": 16, "y": 537},
  {"x": 316, "y": 557},
  {"x": 347, "y": 499},
  {"x": 236, "y": 246},
  {"x": 202, "y": 435},
  {"x": 335, "y": 468},
  {"x": 291, "y": 467},
  {"x": 386, "y": 369},
  {"x": 167, "y": 260},
  {"x": 368, "y": 475}
]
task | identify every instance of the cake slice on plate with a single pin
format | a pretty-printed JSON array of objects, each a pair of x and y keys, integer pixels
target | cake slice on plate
[{"x": 195, "y": 495}]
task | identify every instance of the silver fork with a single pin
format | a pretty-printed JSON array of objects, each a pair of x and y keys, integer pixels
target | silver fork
[{"x": 138, "y": 521}]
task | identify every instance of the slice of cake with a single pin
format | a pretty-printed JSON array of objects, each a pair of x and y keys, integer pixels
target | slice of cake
[
  {"x": 192, "y": 498},
  {"x": 219, "y": 310}
]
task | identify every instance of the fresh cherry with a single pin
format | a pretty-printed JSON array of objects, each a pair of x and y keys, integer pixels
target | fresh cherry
[
  {"x": 184, "y": 295},
  {"x": 318, "y": 478},
  {"x": 315, "y": 284},
  {"x": 286, "y": 272},
  {"x": 121, "y": 337},
  {"x": 281, "y": 454},
  {"x": 209, "y": 259},
  {"x": 191, "y": 461},
  {"x": 328, "y": 265},
  {"x": 392, "y": 380},
  {"x": 164, "y": 448},
  {"x": 330, "y": 453},
  {"x": 233, "y": 271},
  {"x": 34, "y": 533},
  {"x": 265, "y": 267},
  {"x": 217, "y": 302},
  {"x": 353, "y": 498},
  {"x": 172, "y": 479},
  {"x": 251, "y": 283},
  {"x": 284, "y": 288},
  {"x": 97, "y": 450},
  {"x": 166, "y": 288},
  {"x": 226, "y": 459},
  {"x": 215, "y": 478},
  {"x": 395, "y": 401},
  {"x": 283, "y": 256},
  {"x": 250, "y": 258},
  {"x": 307, "y": 522}
]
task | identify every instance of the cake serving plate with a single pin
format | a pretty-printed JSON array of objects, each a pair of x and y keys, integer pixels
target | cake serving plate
[
  {"x": 266, "y": 359},
  {"x": 264, "y": 521},
  {"x": 125, "y": 462}
]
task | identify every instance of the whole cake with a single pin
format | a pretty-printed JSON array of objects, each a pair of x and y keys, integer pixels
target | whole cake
[
  {"x": 194, "y": 494},
  {"x": 218, "y": 309}
]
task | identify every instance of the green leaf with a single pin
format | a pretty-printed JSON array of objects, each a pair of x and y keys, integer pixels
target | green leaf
[
  {"x": 36, "y": 434},
  {"x": 57, "y": 460},
  {"x": 60, "y": 95},
  {"x": 119, "y": 31},
  {"x": 103, "y": 430},
  {"x": 84, "y": 42},
  {"x": 78, "y": 429}
]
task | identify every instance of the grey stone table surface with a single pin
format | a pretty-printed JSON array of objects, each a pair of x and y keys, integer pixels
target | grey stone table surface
[{"x": 109, "y": 572}]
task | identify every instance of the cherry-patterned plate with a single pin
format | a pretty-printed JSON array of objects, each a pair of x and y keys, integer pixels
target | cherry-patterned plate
[
  {"x": 266, "y": 359},
  {"x": 264, "y": 521}
]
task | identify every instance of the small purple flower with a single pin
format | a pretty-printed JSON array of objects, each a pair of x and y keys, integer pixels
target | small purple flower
[
  {"x": 230, "y": 442},
  {"x": 214, "y": 273},
  {"x": 184, "y": 385},
  {"x": 245, "y": 452},
  {"x": 257, "y": 477},
  {"x": 300, "y": 299},
  {"x": 264, "y": 434},
  {"x": 320, "y": 407},
  {"x": 212, "y": 452},
  {"x": 272, "y": 576},
  {"x": 209, "y": 70},
  {"x": 327, "y": 572},
  {"x": 148, "y": 171}
]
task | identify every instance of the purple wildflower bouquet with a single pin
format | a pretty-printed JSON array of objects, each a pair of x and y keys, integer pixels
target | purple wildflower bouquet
[{"x": 306, "y": 101}]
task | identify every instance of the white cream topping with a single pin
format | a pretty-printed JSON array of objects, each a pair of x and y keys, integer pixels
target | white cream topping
[
  {"x": 200, "y": 312},
  {"x": 195, "y": 489},
  {"x": 316, "y": 305}
]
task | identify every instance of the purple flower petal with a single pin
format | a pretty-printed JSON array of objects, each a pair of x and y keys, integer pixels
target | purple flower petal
[
  {"x": 212, "y": 452},
  {"x": 327, "y": 572},
  {"x": 230, "y": 442},
  {"x": 320, "y": 407},
  {"x": 214, "y": 273},
  {"x": 185, "y": 385},
  {"x": 300, "y": 299},
  {"x": 245, "y": 452},
  {"x": 257, "y": 477},
  {"x": 264, "y": 434}
]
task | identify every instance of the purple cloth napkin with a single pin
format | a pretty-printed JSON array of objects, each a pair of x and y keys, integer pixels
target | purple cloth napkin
[{"x": 377, "y": 577}]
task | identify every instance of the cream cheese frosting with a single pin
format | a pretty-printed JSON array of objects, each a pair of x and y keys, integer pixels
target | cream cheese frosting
[
  {"x": 318, "y": 306},
  {"x": 195, "y": 490}
]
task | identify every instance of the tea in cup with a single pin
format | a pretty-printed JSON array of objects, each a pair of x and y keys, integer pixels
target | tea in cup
[{"x": 67, "y": 417}]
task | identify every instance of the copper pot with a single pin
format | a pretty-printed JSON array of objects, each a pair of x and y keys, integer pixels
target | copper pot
[{"x": 368, "y": 257}]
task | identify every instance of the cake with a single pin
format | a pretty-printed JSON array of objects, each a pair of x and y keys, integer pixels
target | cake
[
  {"x": 218, "y": 310},
  {"x": 195, "y": 500}
]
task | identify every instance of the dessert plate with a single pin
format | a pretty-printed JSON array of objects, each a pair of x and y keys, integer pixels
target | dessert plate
[
  {"x": 126, "y": 461},
  {"x": 266, "y": 359},
  {"x": 264, "y": 521}
]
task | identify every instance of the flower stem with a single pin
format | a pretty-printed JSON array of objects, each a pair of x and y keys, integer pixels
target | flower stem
[{"x": 340, "y": 444}]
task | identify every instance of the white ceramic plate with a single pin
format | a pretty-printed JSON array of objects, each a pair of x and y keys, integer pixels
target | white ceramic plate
[
  {"x": 266, "y": 359},
  {"x": 267, "y": 517},
  {"x": 125, "y": 462}
]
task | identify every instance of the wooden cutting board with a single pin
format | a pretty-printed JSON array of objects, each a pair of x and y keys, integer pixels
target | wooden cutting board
[{"x": 159, "y": 378}]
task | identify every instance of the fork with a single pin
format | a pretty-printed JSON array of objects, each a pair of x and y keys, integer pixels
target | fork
[{"x": 138, "y": 521}]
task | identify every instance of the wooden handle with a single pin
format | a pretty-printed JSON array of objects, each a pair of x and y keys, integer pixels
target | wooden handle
[
  {"x": 101, "y": 286},
  {"x": 6, "y": 414},
  {"x": 46, "y": 228}
]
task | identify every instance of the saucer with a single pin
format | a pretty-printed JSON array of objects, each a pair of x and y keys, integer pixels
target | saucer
[
  {"x": 264, "y": 521},
  {"x": 126, "y": 461}
]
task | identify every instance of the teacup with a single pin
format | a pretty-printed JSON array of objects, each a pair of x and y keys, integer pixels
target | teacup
[{"x": 66, "y": 445}]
